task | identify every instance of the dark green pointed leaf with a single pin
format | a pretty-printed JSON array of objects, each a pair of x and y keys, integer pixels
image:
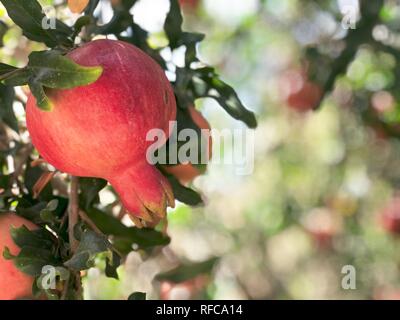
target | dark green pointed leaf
[
  {"x": 188, "y": 271},
  {"x": 208, "y": 84},
  {"x": 91, "y": 7},
  {"x": 90, "y": 245},
  {"x": 137, "y": 296},
  {"x": 31, "y": 260},
  {"x": 90, "y": 188},
  {"x": 120, "y": 21},
  {"x": 49, "y": 214},
  {"x": 17, "y": 77},
  {"x": 190, "y": 40},
  {"x": 38, "y": 212},
  {"x": 42, "y": 100},
  {"x": 184, "y": 122},
  {"x": 52, "y": 205},
  {"x": 125, "y": 237},
  {"x": 53, "y": 70},
  {"x": 173, "y": 24},
  {"x": 7, "y": 115},
  {"x": 184, "y": 194},
  {"x": 7, "y": 254},
  {"x": 80, "y": 23},
  {"x": 35, "y": 238},
  {"x": 29, "y": 211},
  {"x": 29, "y": 16},
  {"x": 112, "y": 265},
  {"x": 5, "y": 68}
]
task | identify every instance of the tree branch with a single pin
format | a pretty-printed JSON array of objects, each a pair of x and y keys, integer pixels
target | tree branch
[{"x": 73, "y": 212}]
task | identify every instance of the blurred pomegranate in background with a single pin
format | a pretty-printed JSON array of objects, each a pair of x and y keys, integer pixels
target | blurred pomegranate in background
[
  {"x": 383, "y": 101},
  {"x": 386, "y": 294},
  {"x": 323, "y": 225},
  {"x": 189, "y": 5},
  {"x": 390, "y": 216},
  {"x": 299, "y": 93},
  {"x": 183, "y": 291}
]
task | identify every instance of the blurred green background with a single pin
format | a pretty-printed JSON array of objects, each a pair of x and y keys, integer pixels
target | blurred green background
[{"x": 323, "y": 193}]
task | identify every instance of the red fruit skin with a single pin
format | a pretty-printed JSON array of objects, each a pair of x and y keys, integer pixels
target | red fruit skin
[
  {"x": 13, "y": 283},
  {"x": 390, "y": 217},
  {"x": 99, "y": 130},
  {"x": 298, "y": 91},
  {"x": 306, "y": 98},
  {"x": 190, "y": 4}
]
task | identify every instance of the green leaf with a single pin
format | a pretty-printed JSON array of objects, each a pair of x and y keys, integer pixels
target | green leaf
[
  {"x": 188, "y": 271},
  {"x": 120, "y": 21},
  {"x": 52, "y": 205},
  {"x": 42, "y": 100},
  {"x": 112, "y": 265},
  {"x": 208, "y": 84},
  {"x": 7, "y": 254},
  {"x": 125, "y": 237},
  {"x": 184, "y": 122},
  {"x": 184, "y": 194},
  {"x": 190, "y": 40},
  {"x": 17, "y": 77},
  {"x": 49, "y": 214},
  {"x": 40, "y": 238},
  {"x": 29, "y": 16},
  {"x": 53, "y": 70},
  {"x": 91, "y": 7},
  {"x": 29, "y": 211},
  {"x": 137, "y": 296},
  {"x": 173, "y": 24},
  {"x": 31, "y": 260},
  {"x": 90, "y": 188},
  {"x": 5, "y": 68},
  {"x": 7, "y": 115},
  {"x": 90, "y": 245},
  {"x": 80, "y": 23}
]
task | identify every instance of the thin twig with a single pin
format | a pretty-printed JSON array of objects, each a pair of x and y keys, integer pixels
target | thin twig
[
  {"x": 83, "y": 215},
  {"x": 121, "y": 213},
  {"x": 42, "y": 182},
  {"x": 89, "y": 222},
  {"x": 25, "y": 154},
  {"x": 65, "y": 289},
  {"x": 73, "y": 212},
  {"x": 9, "y": 74}
]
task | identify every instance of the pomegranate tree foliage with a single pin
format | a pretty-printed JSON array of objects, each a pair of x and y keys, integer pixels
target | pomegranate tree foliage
[{"x": 49, "y": 245}]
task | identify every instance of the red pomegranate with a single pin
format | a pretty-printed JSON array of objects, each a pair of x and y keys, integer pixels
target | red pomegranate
[
  {"x": 299, "y": 92},
  {"x": 99, "y": 130},
  {"x": 13, "y": 283},
  {"x": 390, "y": 216},
  {"x": 189, "y": 4}
]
